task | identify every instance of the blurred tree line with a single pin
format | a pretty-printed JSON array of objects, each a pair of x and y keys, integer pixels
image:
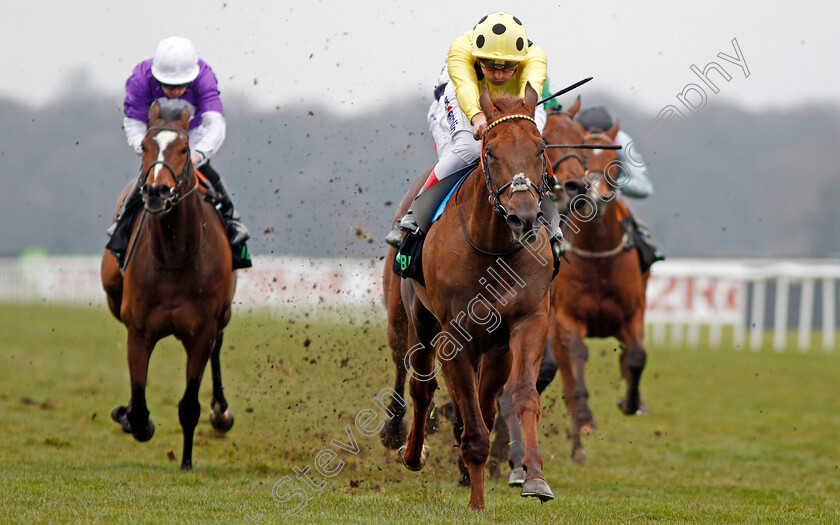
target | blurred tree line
[{"x": 314, "y": 183}]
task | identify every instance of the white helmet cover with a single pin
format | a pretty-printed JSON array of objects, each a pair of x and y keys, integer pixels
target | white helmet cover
[{"x": 175, "y": 61}]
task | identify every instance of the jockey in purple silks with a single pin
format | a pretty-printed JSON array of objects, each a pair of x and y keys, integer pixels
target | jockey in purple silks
[{"x": 176, "y": 78}]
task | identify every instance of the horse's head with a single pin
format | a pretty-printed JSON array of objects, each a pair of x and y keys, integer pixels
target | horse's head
[
  {"x": 513, "y": 159},
  {"x": 603, "y": 172},
  {"x": 166, "y": 169},
  {"x": 567, "y": 164}
]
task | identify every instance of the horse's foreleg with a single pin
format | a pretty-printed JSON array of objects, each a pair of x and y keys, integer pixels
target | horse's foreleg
[
  {"x": 422, "y": 385},
  {"x": 632, "y": 361},
  {"x": 199, "y": 349},
  {"x": 517, "y": 447},
  {"x": 562, "y": 354},
  {"x": 393, "y": 433},
  {"x": 548, "y": 369},
  {"x": 221, "y": 418},
  {"x": 475, "y": 439},
  {"x": 495, "y": 370},
  {"x": 500, "y": 446},
  {"x": 527, "y": 343},
  {"x": 135, "y": 419}
]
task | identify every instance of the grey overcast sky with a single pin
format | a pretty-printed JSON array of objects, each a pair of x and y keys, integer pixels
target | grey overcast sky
[{"x": 352, "y": 55}]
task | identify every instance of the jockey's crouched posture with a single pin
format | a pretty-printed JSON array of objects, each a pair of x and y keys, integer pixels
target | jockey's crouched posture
[
  {"x": 176, "y": 78},
  {"x": 495, "y": 55}
]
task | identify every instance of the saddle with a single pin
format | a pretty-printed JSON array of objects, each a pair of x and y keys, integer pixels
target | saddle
[{"x": 408, "y": 262}]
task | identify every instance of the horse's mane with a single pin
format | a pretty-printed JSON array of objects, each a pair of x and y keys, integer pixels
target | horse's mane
[
  {"x": 508, "y": 105},
  {"x": 168, "y": 114}
]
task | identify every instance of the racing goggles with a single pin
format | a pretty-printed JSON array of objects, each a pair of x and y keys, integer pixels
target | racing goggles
[
  {"x": 498, "y": 65},
  {"x": 174, "y": 86}
]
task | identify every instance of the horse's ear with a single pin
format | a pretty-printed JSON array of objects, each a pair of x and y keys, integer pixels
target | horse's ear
[
  {"x": 613, "y": 131},
  {"x": 486, "y": 104},
  {"x": 530, "y": 96},
  {"x": 574, "y": 108},
  {"x": 185, "y": 118},
  {"x": 154, "y": 112}
]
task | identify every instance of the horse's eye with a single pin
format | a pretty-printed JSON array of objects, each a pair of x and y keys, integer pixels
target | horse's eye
[
  {"x": 142, "y": 147},
  {"x": 489, "y": 153},
  {"x": 185, "y": 150}
]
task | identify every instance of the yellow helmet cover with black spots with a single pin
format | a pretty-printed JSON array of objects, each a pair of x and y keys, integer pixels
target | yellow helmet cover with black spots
[{"x": 500, "y": 36}]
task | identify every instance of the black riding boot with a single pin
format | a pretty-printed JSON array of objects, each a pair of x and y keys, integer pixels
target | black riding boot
[
  {"x": 643, "y": 241},
  {"x": 120, "y": 231},
  {"x": 236, "y": 232},
  {"x": 419, "y": 216}
]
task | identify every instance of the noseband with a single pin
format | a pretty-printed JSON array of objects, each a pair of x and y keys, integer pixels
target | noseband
[
  {"x": 173, "y": 198},
  {"x": 519, "y": 182}
]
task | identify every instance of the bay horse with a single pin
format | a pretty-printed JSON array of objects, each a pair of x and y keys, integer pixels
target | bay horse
[
  {"x": 177, "y": 280},
  {"x": 485, "y": 332},
  {"x": 569, "y": 169},
  {"x": 599, "y": 291}
]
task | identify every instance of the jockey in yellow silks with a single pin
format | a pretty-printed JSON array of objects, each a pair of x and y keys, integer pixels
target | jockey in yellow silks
[{"x": 495, "y": 55}]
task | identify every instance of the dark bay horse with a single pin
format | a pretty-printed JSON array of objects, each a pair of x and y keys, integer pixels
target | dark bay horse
[
  {"x": 475, "y": 330},
  {"x": 177, "y": 280},
  {"x": 599, "y": 292}
]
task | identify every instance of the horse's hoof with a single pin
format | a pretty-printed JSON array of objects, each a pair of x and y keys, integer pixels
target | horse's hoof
[
  {"x": 579, "y": 456},
  {"x": 146, "y": 434},
  {"x": 537, "y": 488},
  {"x": 393, "y": 434},
  {"x": 186, "y": 466},
  {"x": 221, "y": 421},
  {"x": 517, "y": 477},
  {"x": 640, "y": 410},
  {"x": 423, "y": 456},
  {"x": 118, "y": 413}
]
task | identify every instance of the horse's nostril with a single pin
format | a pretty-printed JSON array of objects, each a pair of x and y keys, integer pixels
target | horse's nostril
[{"x": 515, "y": 222}]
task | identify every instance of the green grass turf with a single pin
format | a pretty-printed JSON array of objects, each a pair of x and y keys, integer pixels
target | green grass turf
[{"x": 732, "y": 436}]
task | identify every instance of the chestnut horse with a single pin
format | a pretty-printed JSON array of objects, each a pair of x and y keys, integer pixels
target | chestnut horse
[
  {"x": 599, "y": 292},
  {"x": 485, "y": 331},
  {"x": 569, "y": 170},
  {"x": 177, "y": 280}
]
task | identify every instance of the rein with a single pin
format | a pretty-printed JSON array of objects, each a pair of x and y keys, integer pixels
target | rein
[
  {"x": 623, "y": 245},
  {"x": 519, "y": 183},
  {"x": 173, "y": 198},
  {"x": 188, "y": 261}
]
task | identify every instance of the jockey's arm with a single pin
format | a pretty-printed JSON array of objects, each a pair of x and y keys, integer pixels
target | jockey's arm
[
  {"x": 212, "y": 134},
  {"x": 638, "y": 184},
  {"x": 135, "y": 131},
  {"x": 460, "y": 65}
]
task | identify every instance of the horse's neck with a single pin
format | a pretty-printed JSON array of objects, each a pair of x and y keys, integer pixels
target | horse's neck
[
  {"x": 601, "y": 233},
  {"x": 486, "y": 228},
  {"x": 175, "y": 236}
]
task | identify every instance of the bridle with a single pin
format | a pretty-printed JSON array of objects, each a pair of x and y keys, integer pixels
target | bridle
[
  {"x": 567, "y": 156},
  {"x": 519, "y": 183},
  {"x": 173, "y": 198},
  {"x": 625, "y": 243}
]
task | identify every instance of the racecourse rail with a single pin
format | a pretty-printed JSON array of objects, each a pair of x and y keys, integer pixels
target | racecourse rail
[{"x": 742, "y": 298}]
